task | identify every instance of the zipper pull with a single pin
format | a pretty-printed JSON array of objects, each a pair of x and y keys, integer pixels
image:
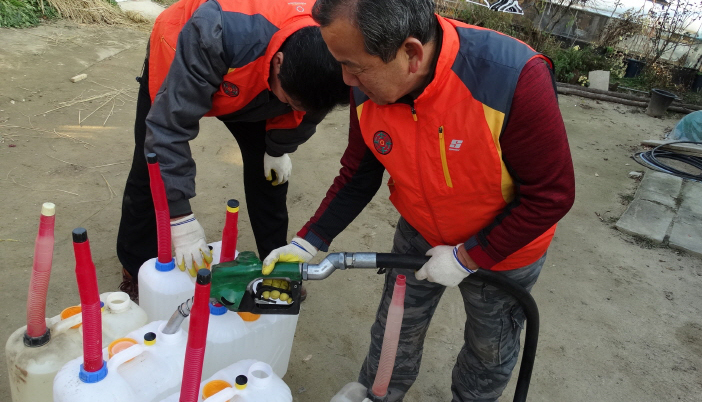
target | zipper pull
[
  {"x": 414, "y": 113},
  {"x": 441, "y": 132}
]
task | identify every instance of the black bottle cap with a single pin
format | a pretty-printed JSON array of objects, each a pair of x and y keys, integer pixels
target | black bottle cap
[
  {"x": 80, "y": 235},
  {"x": 151, "y": 158},
  {"x": 204, "y": 276},
  {"x": 35, "y": 342},
  {"x": 233, "y": 204},
  {"x": 241, "y": 380},
  {"x": 149, "y": 336}
]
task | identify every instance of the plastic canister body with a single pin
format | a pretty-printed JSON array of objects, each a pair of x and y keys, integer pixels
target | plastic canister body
[
  {"x": 271, "y": 339},
  {"x": 141, "y": 373},
  {"x": 32, "y": 370},
  {"x": 226, "y": 334},
  {"x": 268, "y": 339},
  {"x": 262, "y": 384},
  {"x": 161, "y": 292}
]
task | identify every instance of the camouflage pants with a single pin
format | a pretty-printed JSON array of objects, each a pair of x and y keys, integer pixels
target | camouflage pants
[{"x": 491, "y": 338}]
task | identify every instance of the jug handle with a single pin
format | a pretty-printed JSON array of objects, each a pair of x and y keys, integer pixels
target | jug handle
[
  {"x": 224, "y": 395},
  {"x": 124, "y": 356},
  {"x": 65, "y": 324}
]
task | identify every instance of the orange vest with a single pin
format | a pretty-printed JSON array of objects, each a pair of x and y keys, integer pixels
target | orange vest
[
  {"x": 242, "y": 82},
  {"x": 448, "y": 179}
]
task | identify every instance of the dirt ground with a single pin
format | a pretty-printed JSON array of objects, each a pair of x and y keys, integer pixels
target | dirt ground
[{"x": 620, "y": 320}]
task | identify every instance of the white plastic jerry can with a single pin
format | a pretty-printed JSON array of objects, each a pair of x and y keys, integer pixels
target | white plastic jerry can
[
  {"x": 226, "y": 335},
  {"x": 235, "y": 336},
  {"x": 32, "y": 369},
  {"x": 244, "y": 381},
  {"x": 163, "y": 287},
  {"x": 270, "y": 339},
  {"x": 146, "y": 365}
]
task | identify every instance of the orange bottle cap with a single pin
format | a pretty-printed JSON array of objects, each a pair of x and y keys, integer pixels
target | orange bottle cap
[
  {"x": 249, "y": 316},
  {"x": 70, "y": 312},
  {"x": 119, "y": 345},
  {"x": 213, "y": 387}
]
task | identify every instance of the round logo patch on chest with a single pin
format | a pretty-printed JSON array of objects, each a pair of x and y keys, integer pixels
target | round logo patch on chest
[
  {"x": 382, "y": 142},
  {"x": 230, "y": 89}
]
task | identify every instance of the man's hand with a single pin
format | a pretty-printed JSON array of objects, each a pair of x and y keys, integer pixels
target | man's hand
[
  {"x": 299, "y": 250},
  {"x": 444, "y": 267},
  {"x": 191, "y": 250},
  {"x": 281, "y": 165}
]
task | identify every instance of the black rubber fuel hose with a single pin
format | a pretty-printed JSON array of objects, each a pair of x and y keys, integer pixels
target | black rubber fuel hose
[{"x": 496, "y": 279}]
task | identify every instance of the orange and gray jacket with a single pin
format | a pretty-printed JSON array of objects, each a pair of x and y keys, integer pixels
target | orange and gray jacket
[
  {"x": 443, "y": 150},
  {"x": 212, "y": 58}
]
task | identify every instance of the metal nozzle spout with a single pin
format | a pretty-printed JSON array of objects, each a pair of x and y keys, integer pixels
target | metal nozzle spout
[{"x": 336, "y": 261}]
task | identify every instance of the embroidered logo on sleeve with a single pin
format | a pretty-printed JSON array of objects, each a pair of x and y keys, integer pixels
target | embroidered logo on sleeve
[
  {"x": 382, "y": 142},
  {"x": 230, "y": 89}
]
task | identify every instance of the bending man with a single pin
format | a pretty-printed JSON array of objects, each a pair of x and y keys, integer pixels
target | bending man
[
  {"x": 259, "y": 66},
  {"x": 467, "y": 123}
]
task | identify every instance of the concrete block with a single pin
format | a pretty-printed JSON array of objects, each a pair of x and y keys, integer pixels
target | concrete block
[
  {"x": 660, "y": 187},
  {"x": 599, "y": 79},
  {"x": 686, "y": 234},
  {"x": 692, "y": 197},
  {"x": 646, "y": 219}
]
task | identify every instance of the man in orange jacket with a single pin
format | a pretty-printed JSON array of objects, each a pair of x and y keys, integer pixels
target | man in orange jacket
[
  {"x": 259, "y": 66},
  {"x": 467, "y": 123}
]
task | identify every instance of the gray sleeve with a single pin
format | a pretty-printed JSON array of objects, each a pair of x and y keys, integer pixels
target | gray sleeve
[
  {"x": 279, "y": 141},
  {"x": 185, "y": 96}
]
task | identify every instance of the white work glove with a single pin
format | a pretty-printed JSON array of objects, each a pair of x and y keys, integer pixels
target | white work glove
[
  {"x": 299, "y": 250},
  {"x": 443, "y": 267},
  {"x": 281, "y": 165},
  {"x": 188, "y": 239}
]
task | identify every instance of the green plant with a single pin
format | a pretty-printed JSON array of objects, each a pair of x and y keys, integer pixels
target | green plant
[
  {"x": 617, "y": 64},
  {"x": 584, "y": 81},
  {"x": 571, "y": 63},
  {"x": 658, "y": 75},
  {"x": 24, "y": 13}
]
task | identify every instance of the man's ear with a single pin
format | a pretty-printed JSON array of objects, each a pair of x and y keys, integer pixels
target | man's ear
[
  {"x": 276, "y": 62},
  {"x": 414, "y": 52}
]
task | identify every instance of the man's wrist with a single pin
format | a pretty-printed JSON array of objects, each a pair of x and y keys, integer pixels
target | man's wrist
[{"x": 465, "y": 260}]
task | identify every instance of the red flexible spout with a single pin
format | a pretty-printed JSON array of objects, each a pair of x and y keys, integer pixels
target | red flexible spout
[
  {"x": 391, "y": 338},
  {"x": 89, "y": 302},
  {"x": 163, "y": 217},
  {"x": 197, "y": 338},
  {"x": 230, "y": 232},
  {"x": 41, "y": 271}
]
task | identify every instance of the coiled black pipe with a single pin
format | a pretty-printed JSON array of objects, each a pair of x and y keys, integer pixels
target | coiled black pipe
[
  {"x": 652, "y": 160},
  {"x": 531, "y": 311}
]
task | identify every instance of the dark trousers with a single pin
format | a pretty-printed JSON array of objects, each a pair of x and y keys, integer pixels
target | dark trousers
[
  {"x": 494, "y": 321},
  {"x": 266, "y": 204}
]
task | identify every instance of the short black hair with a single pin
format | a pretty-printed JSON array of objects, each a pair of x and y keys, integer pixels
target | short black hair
[
  {"x": 384, "y": 24},
  {"x": 310, "y": 74}
]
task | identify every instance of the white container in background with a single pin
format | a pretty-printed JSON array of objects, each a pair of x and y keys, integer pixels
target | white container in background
[
  {"x": 148, "y": 371},
  {"x": 267, "y": 338},
  {"x": 161, "y": 292},
  {"x": 32, "y": 370},
  {"x": 244, "y": 381}
]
